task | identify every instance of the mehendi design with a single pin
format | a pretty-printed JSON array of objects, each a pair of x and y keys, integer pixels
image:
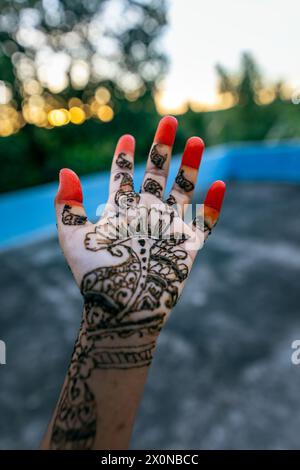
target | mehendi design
[
  {"x": 157, "y": 158},
  {"x": 126, "y": 197},
  {"x": 127, "y": 179},
  {"x": 124, "y": 302},
  {"x": 183, "y": 182},
  {"x": 70, "y": 218},
  {"x": 128, "y": 292},
  {"x": 152, "y": 186},
  {"x": 199, "y": 224},
  {"x": 122, "y": 162},
  {"x": 76, "y": 420},
  {"x": 171, "y": 201}
]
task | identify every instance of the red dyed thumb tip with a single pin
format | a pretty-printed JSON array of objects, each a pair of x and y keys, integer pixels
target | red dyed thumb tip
[
  {"x": 215, "y": 195},
  {"x": 69, "y": 187}
]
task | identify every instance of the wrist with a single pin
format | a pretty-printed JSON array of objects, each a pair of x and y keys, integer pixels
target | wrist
[{"x": 120, "y": 345}]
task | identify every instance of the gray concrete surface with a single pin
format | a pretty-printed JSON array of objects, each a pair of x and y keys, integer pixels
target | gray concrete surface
[{"x": 222, "y": 377}]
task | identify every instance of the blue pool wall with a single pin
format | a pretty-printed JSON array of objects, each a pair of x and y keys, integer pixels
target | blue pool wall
[{"x": 29, "y": 213}]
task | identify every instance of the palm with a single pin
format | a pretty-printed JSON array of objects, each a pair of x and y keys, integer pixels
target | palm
[{"x": 131, "y": 266}]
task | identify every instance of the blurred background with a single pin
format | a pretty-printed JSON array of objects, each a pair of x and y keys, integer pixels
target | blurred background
[{"x": 74, "y": 76}]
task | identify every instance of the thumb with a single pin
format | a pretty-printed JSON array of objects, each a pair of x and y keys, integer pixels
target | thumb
[{"x": 68, "y": 201}]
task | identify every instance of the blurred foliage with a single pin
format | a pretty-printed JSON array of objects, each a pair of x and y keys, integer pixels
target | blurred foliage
[
  {"x": 34, "y": 155},
  {"x": 100, "y": 55},
  {"x": 256, "y": 110},
  {"x": 119, "y": 53},
  {"x": 75, "y": 44}
]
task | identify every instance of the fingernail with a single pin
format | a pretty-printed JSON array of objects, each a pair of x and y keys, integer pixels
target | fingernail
[
  {"x": 69, "y": 187},
  {"x": 166, "y": 131},
  {"x": 125, "y": 144},
  {"x": 193, "y": 152},
  {"x": 215, "y": 195}
]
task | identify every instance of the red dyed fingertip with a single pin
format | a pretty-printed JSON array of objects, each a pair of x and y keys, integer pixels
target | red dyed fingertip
[
  {"x": 69, "y": 187},
  {"x": 193, "y": 152},
  {"x": 215, "y": 195},
  {"x": 166, "y": 131},
  {"x": 125, "y": 144}
]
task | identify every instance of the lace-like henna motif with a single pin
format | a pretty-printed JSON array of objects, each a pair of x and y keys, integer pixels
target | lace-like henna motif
[
  {"x": 152, "y": 186},
  {"x": 76, "y": 421},
  {"x": 171, "y": 201},
  {"x": 157, "y": 158},
  {"x": 183, "y": 182},
  {"x": 126, "y": 199},
  {"x": 122, "y": 162},
  {"x": 126, "y": 179},
  {"x": 69, "y": 218},
  {"x": 126, "y": 196},
  {"x": 121, "y": 301},
  {"x": 200, "y": 223}
]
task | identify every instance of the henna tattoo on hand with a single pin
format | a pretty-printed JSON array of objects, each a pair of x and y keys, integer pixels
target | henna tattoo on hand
[
  {"x": 126, "y": 197},
  {"x": 157, "y": 158},
  {"x": 125, "y": 305},
  {"x": 127, "y": 179},
  {"x": 171, "y": 201},
  {"x": 122, "y": 162},
  {"x": 76, "y": 421},
  {"x": 70, "y": 218},
  {"x": 183, "y": 182},
  {"x": 152, "y": 186},
  {"x": 200, "y": 223}
]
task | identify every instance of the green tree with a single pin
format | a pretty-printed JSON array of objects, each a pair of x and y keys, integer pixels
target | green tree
[
  {"x": 243, "y": 85},
  {"x": 61, "y": 49},
  {"x": 67, "y": 44}
]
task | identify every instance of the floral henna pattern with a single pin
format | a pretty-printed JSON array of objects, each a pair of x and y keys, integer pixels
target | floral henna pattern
[
  {"x": 125, "y": 305},
  {"x": 126, "y": 197},
  {"x": 70, "y": 218},
  {"x": 127, "y": 179},
  {"x": 122, "y": 162},
  {"x": 171, "y": 201},
  {"x": 157, "y": 158},
  {"x": 200, "y": 223},
  {"x": 129, "y": 281},
  {"x": 76, "y": 421},
  {"x": 152, "y": 186},
  {"x": 183, "y": 182}
]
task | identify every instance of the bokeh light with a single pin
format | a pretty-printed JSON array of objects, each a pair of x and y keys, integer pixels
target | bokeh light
[
  {"x": 75, "y": 102},
  {"x": 59, "y": 117},
  {"x": 105, "y": 113},
  {"x": 77, "y": 115},
  {"x": 5, "y": 93},
  {"x": 34, "y": 112},
  {"x": 32, "y": 87},
  {"x": 80, "y": 74},
  {"x": 10, "y": 120},
  {"x": 102, "y": 95}
]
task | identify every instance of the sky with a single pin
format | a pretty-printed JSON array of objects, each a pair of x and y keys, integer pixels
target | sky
[{"x": 202, "y": 33}]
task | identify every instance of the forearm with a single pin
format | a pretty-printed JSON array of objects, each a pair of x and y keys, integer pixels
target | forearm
[{"x": 100, "y": 396}]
